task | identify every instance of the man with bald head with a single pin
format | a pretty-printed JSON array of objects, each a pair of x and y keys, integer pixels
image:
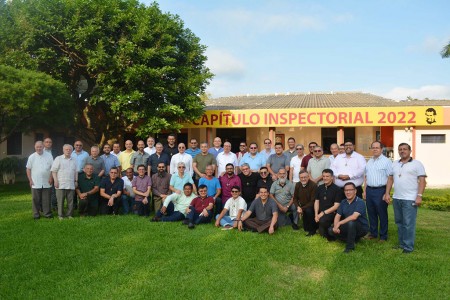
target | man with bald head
[
  {"x": 40, "y": 178},
  {"x": 125, "y": 156},
  {"x": 217, "y": 147},
  {"x": 224, "y": 158}
]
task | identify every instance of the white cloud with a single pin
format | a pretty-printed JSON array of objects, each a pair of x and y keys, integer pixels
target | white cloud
[
  {"x": 431, "y": 44},
  {"x": 224, "y": 64},
  {"x": 426, "y": 91}
]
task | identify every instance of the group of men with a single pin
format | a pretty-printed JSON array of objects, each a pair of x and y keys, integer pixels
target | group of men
[{"x": 251, "y": 189}]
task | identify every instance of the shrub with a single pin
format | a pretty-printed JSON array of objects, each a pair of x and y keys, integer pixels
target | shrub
[{"x": 437, "y": 202}]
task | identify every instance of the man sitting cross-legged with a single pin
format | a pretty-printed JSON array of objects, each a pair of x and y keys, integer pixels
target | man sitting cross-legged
[
  {"x": 175, "y": 205},
  {"x": 266, "y": 213},
  {"x": 233, "y": 210}
]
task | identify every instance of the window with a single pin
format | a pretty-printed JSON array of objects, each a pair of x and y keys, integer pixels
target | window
[
  {"x": 433, "y": 138},
  {"x": 14, "y": 144}
]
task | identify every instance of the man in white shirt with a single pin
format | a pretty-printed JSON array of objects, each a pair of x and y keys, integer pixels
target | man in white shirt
[
  {"x": 232, "y": 211},
  {"x": 40, "y": 178},
  {"x": 181, "y": 156},
  {"x": 150, "y": 149},
  {"x": 127, "y": 196},
  {"x": 296, "y": 164},
  {"x": 349, "y": 167},
  {"x": 224, "y": 158}
]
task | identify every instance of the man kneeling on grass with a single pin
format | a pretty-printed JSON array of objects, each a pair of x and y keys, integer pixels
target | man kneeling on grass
[
  {"x": 201, "y": 208},
  {"x": 350, "y": 222},
  {"x": 266, "y": 212},
  {"x": 175, "y": 206},
  {"x": 233, "y": 210}
]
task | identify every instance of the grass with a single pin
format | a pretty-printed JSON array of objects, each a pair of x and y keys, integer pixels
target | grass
[{"x": 117, "y": 257}]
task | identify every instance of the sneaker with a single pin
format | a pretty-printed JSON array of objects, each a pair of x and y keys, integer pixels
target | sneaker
[
  {"x": 227, "y": 227},
  {"x": 369, "y": 237},
  {"x": 191, "y": 226},
  {"x": 294, "y": 226}
]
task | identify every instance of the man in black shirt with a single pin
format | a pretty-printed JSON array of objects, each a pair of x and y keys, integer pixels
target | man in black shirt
[
  {"x": 265, "y": 179},
  {"x": 328, "y": 198},
  {"x": 249, "y": 180}
]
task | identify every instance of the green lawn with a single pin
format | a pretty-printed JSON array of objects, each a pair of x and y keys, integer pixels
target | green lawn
[{"x": 120, "y": 257}]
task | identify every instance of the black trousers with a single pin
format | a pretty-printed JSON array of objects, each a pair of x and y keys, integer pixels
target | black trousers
[
  {"x": 350, "y": 233},
  {"x": 309, "y": 224},
  {"x": 324, "y": 223}
]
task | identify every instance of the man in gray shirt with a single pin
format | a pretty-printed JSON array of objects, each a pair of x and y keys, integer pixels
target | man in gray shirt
[
  {"x": 266, "y": 213},
  {"x": 282, "y": 190},
  {"x": 277, "y": 161},
  {"x": 96, "y": 161}
]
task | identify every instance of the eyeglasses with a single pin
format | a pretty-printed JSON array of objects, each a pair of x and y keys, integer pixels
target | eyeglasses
[
  {"x": 317, "y": 150},
  {"x": 242, "y": 145},
  {"x": 267, "y": 143},
  {"x": 181, "y": 167},
  {"x": 299, "y": 148},
  {"x": 263, "y": 173},
  {"x": 253, "y": 147},
  {"x": 348, "y": 145},
  {"x": 181, "y": 147},
  {"x": 235, "y": 191},
  {"x": 349, "y": 190}
]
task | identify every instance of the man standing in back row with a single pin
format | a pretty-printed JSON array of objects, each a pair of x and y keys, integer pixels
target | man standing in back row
[{"x": 408, "y": 177}]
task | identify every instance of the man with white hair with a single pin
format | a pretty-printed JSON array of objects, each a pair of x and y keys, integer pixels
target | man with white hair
[
  {"x": 65, "y": 177},
  {"x": 224, "y": 158},
  {"x": 282, "y": 191},
  {"x": 40, "y": 178}
]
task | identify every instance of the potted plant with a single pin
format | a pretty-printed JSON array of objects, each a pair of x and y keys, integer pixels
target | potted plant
[{"x": 9, "y": 167}]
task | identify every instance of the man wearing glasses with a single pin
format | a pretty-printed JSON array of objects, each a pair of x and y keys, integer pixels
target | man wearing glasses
[
  {"x": 183, "y": 157},
  {"x": 277, "y": 161},
  {"x": 265, "y": 180},
  {"x": 307, "y": 157},
  {"x": 242, "y": 151},
  {"x": 179, "y": 179},
  {"x": 268, "y": 150},
  {"x": 253, "y": 158},
  {"x": 350, "y": 223},
  {"x": 227, "y": 181},
  {"x": 282, "y": 190},
  {"x": 295, "y": 165},
  {"x": 234, "y": 208},
  {"x": 111, "y": 189},
  {"x": 317, "y": 164},
  {"x": 349, "y": 167},
  {"x": 193, "y": 149}
]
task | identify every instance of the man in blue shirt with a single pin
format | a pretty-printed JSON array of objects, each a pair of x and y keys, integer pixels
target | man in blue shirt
[{"x": 350, "y": 222}]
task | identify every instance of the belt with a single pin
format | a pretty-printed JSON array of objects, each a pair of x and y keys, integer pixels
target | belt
[{"x": 376, "y": 187}]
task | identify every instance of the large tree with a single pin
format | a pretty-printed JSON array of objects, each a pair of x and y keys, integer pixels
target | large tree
[
  {"x": 128, "y": 66},
  {"x": 31, "y": 100}
]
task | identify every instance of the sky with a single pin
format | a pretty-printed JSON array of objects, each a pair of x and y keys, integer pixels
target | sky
[{"x": 387, "y": 48}]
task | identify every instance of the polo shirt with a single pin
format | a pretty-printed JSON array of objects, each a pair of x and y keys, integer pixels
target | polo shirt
[
  {"x": 124, "y": 159},
  {"x": 406, "y": 177},
  {"x": 98, "y": 163},
  {"x": 316, "y": 166},
  {"x": 265, "y": 211},
  {"x": 227, "y": 183},
  {"x": 255, "y": 162},
  {"x": 141, "y": 184},
  {"x": 155, "y": 159},
  {"x": 127, "y": 185},
  {"x": 111, "y": 187},
  {"x": 110, "y": 161},
  {"x": 178, "y": 182},
  {"x": 267, "y": 184},
  {"x": 193, "y": 152},
  {"x": 328, "y": 195},
  {"x": 358, "y": 205},
  {"x": 278, "y": 162},
  {"x": 40, "y": 166},
  {"x": 203, "y": 161},
  {"x": 87, "y": 184},
  {"x": 200, "y": 203},
  {"x": 211, "y": 184},
  {"x": 295, "y": 167},
  {"x": 283, "y": 194},
  {"x": 215, "y": 151},
  {"x": 234, "y": 205}
]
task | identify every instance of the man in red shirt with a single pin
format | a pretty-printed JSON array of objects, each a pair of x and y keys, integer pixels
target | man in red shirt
[{"x": 201, "y": 208}]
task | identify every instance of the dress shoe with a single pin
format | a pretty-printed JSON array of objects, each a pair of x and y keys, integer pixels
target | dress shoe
[
  {"x": 155, "y": 219},
  {"x": 191, "y": 226},
  {"x": 294, "y": 226},
  {"x": 310, "y": 233},
  {"x": 185, "y": 222}
]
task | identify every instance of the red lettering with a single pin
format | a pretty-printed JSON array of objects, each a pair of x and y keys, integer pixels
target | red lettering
[
  {"x": 214, "y": 118},
  {"x": 244, "y": 120},
  {"x": 358, "y": 118},
  {"x": 368, "y": 121},
  {"x": 205, "y": 120},
  {"x": 273, "y": 118},
  {"x": 283, "y": 118},
  {"x": 333, "y": 119},
  {"x": 292, "y": 117},
  {"x": 301, "y": 118},
  {"x": 343, "y": 118},
  {"x": 412, "y": 120},
  {"x": 321, "y": 114},
  {"x": 254, "y": 119},
  {"x": 309, "y": 118},
  {"x": 236, "y": 119}
]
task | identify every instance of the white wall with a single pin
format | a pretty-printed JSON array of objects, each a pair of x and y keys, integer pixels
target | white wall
[{"x": 435, "y": 157}]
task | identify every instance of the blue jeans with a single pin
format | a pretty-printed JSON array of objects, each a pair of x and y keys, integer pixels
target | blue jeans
[
  {"x": 226, "y": 220},
  {"x": 405, "y": 217},
  {"x": 195, "y": 218},
  {"x": 171, "y": 215},
  {"x": 127, "y": 203},
  {"x": 377, "y": 209}
]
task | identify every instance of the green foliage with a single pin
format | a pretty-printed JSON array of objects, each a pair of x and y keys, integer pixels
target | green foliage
[
  {"x": 30, "y": 100},
  {"x": 10, "y": 164},
  {"x": 128, "y": 257},
  {"x": 437, "y": 202},
  {"x": 143, "y": 69},
  {"x": 446, "y": 51}
]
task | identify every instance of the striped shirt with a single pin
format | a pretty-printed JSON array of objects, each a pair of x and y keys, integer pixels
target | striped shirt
[{"x": 377, "y": 171}]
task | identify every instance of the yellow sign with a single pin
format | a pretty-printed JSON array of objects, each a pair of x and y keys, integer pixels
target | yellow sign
[{"x": 322, "y": 117}]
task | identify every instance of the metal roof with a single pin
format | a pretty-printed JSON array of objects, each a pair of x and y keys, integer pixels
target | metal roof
[{"x": 312, "y": 100}]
